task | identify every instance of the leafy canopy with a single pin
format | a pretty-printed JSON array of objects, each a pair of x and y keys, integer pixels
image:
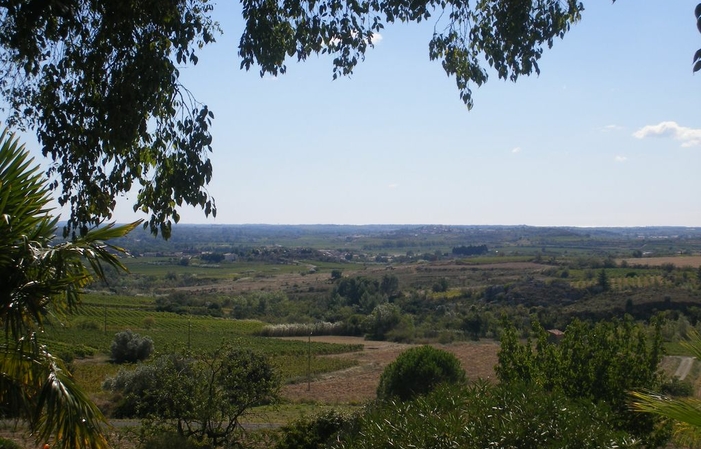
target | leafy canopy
[
  {"x": 483, "y": 415},
  {"x": 684, "y": 411},
  {"x": 418, "y": 371},
  {"x": 99, "y": 81},
  {"x": 202, "y": 397},
  {"x": 599, "y": 363}
]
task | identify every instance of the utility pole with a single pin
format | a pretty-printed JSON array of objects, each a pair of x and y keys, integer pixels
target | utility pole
[{"x": 309, "y": 362}]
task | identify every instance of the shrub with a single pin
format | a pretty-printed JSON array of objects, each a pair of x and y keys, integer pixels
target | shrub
[
  {"x": 87, "y": 324},
  {"x": 418, "y": 371},
  {"x": 313, "y": 433},
  {"x": 128, "y": 347},
  {"x": 8, "y": 444},
  {"x": 482, "y": 415},
  {"x": 203, "y": 397},
  {"x": 170, "y": 440},
  {"x": 676, "y": 387},
  {"x": 131, "y": 386}
]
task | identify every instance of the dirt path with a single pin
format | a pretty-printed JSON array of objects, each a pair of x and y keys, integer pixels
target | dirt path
[
  {"x": 684, "y": 367},
  {"x": 359, "y": 383}
]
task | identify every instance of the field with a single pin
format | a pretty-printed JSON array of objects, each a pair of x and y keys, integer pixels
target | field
[
  {"x": 359, "y": 384},
  {"x": 401, "y": 286},
  {"x": 677, "y": 261}
]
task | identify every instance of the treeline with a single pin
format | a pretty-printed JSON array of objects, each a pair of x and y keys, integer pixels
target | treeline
[{"x": 471, "y": 250}]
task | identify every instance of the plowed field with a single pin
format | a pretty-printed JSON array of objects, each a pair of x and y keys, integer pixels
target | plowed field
[{"x": 359, "y": 384}]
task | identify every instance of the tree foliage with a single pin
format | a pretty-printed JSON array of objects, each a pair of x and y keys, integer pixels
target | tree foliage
[
  {"x": 697, "y": 55},
  {"x": 318, "y": 432},
  {"x": 484, "y": 415},
  {"x": 508, "y": 35},
  {"x": 600, "y": 363},
  {"x": 418, "y": 371},
  {"x": 128, "y": 347},
  {"x": 39, "y": 280},
  {"x": 99, "y": 81},
  {"x": 685, "y": 411},
  {"x": 200, "y": 397}
]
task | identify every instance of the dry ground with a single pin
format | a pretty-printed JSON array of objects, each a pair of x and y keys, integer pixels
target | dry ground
[
  {"x": 410, "y": 274},
  {"x": 359, "y": 383}
]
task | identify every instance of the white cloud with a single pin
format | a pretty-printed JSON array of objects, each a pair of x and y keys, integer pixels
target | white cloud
[
  {"x": 393, "y": 186},
  {"x": 620, "y": 158},
  {"x": 516, "y": 150},
  {"x": 689, "y": 137},
  {"x": 376, "y": 37}
]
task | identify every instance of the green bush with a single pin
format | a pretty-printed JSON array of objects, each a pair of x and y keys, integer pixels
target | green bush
[
  {"x": 483, "y": 415},
  {"x": 86, "y": 324},
  {"x": 171, "y": 440},
  {"x": 600, "y": 362},
  {"x": 202, "y": 396},
  {"x": 8, "y": 444},
  {"x": 418, "y": 371},
  {"x": 128, "y": 347},
  {"x": 313, "y": 433},
  {"x": 679, "y": 388}
]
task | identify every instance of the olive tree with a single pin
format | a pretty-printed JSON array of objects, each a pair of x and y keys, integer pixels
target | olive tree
[
  {"x": 129, "y": 347},
  {"x": 201, "y": 397}
]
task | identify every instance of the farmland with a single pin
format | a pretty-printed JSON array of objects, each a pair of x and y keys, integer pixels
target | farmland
[{"x": 379, "y": 290}]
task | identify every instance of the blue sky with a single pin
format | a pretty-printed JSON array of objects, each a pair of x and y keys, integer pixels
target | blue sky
[{"x": 608, "y": 135}]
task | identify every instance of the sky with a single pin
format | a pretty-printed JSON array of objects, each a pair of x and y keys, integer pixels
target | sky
[{"x": 609, "y": 134}]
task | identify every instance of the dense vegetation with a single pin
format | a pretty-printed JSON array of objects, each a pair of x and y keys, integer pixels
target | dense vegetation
[
  {"x": 417, "y": 372},
  {"x": 242, "y": 285},
  {"x": 570, "y": 394}
]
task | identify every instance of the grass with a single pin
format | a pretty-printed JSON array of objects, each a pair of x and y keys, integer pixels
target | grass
[
  {"x": 83, "y": 334},
  {"x": 162, "y": 266}
]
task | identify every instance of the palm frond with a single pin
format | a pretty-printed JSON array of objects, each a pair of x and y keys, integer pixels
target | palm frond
[
  {"x": 686, "y": 410},
  {"x": 38, "y": 278},
  {"x": 35, "y": 387}
]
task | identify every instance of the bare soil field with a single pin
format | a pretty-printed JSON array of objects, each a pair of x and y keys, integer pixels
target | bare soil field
[
  {"x": 410, "y": 274},
  {"x": 677, "y": 261},
  {"x": 359, "y": 383}
]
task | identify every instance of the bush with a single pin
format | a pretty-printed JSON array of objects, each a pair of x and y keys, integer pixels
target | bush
[
  {"x": 482, "y": 415},
  {"x": 128, "y": 347},
  {"x": 418, "y": 371},
  {"x": 679, "y": 388},
  {"x": 203, "y": 397},
  {"x": 170, "y": 440},
  {"x": 314, "y": 433},
  {"x": 87, "y": 324},
  {"x": 132, "y": 386},
  {"x": 8, "y": 444}
]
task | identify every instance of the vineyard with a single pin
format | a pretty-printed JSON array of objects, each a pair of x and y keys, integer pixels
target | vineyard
[
  {"x": 626, "y": 283},
  {"x": 90, "y": 331}
]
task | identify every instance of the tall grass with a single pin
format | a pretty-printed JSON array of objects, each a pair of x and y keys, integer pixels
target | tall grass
[{"x": 304, "y": 329}]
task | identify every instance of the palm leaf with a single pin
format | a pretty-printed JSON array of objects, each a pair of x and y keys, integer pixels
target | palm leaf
[
  {"x": 37, "y": 279},
  {"x": 686, "y": 412}
]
